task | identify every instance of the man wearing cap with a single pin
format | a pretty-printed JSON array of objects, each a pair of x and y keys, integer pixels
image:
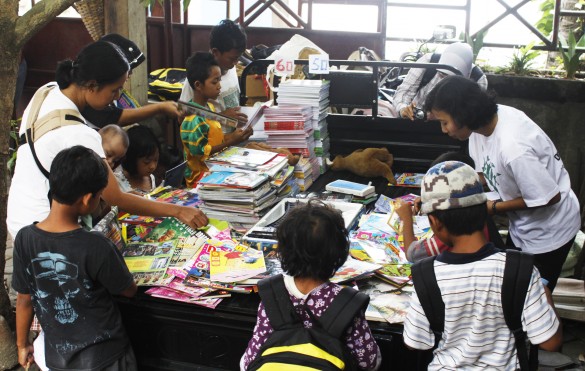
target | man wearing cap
[
  {"x": 410, "y": 94},
  {"x": 116, "y": 115}
]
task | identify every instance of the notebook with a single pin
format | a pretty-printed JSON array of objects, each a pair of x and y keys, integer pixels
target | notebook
[{"x": 174, "y": 177}]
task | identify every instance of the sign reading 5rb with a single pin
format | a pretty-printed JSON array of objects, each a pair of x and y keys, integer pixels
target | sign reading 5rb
[{"x": 319, "y": 63}]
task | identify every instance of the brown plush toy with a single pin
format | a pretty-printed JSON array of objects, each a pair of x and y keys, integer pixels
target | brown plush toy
[
  {"x": 369, "y": 163},
  {"x": 292, "y": 159}
]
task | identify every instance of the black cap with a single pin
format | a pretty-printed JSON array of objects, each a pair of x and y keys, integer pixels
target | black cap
[{"x": 130, "y": 49}]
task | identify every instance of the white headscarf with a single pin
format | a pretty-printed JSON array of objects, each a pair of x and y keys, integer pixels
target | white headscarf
[{"x": 458, "y": 55}]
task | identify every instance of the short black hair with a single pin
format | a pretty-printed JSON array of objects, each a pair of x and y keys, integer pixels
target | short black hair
[
  {"x": 312, "y": 241},
  {"x": 464, "y": 101},
  {"x": 228, "y": 35},
  {"x": 198, "y": 67},
  {"x": 143, "y": 143},
  {"x": 454, "y": 156},
  {"x": 75, "y": 172},
  {"x": 463, "y": 221}
]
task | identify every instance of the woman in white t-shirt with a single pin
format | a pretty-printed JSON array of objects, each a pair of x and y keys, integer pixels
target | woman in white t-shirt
[
  {"x": 518, "y": 161},
  {"x": 93, "y": 79}
]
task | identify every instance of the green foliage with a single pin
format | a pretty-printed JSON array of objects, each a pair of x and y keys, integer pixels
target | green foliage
[
  {"x": 476, "y": 43},
  {"x": 522, "y": 60},
  {"x": 570, "y": 54},
  {"x": 545, "y": 23},
  {"x": 14, "y": 128}
]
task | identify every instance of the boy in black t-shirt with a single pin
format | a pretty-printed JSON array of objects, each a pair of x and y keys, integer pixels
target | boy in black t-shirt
[{"x": 68, "y": 275}]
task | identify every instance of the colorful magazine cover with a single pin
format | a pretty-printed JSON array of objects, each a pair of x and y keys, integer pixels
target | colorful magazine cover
[
  {"x": 393, "y": 307},
  {"x": 175, "y": 196},
  {"x": 409, "y": 179},
  {"x": 242, "y": 156},
  {"x": 354, "y": 269},
  {"x": 111, "y": 228},
  {"x": 246, "y": 180},
  {"x": 148, "y": 261},
  {"x": 169, "y": 229},
  {"x": 236, "y": 266}
]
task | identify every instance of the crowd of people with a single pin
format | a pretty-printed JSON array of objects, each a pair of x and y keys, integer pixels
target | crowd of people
[{"x": 66, "y": 275}]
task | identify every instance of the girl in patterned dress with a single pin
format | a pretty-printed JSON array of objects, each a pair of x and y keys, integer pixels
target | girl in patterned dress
[{"x": 312, "y": 245}]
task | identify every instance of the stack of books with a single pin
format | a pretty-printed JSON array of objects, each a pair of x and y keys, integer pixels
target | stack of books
[
  {"x": 290, "y": 127},
  {"x": 315, "y": 94},
  {"x": 242, "y": 184}
]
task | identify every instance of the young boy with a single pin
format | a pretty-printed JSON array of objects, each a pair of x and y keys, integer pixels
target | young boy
[
  {"x": 227, "y": 43},
  {"x": 68, "y": 275},
  {"x": 418, "y": 249},
  {"x": 115, "y": 142},
  {"x": 203, "y": 137},
  {"x": 470, "y": 277}
]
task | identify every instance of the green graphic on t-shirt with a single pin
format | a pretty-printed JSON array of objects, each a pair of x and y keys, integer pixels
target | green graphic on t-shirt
[{"x": 490, "y": 173}]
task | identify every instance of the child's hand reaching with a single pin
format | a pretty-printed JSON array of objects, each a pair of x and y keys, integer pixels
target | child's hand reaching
[
  {"x": 403, "y": 209},
  {"x": 235, "y": 113},
  {"x": 238, "y": 136}
]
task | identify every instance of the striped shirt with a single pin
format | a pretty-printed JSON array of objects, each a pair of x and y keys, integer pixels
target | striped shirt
[
  {"x": 198, "y": 135},
  {"x": 476, "y": 336}
]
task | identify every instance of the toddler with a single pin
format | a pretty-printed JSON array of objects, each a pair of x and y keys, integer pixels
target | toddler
[{"x": 115, "y": 143}]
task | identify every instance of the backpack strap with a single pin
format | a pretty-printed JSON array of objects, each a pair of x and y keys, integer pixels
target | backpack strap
[
  {"x": 476, "y": 73},
  {"x": 429, "y": 295},
  {"x": 280, "y": 310},
  {"x": 429, "y": 72},
  {"x": 342, "y": 310},
  {"x": 35, "y": 128},
  {"x": 517, "y": 277}
]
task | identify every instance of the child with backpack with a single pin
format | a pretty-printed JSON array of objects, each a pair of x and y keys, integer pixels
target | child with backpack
[
  {"x": 472, "y": 293},
  {"x": 68, "y": 276},
  {"x": 312, "y": 245},
  {"x": 203, "y": 137}
]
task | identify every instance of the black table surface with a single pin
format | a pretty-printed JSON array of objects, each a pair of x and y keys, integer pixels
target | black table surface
[{"x": 237, "y": 314}]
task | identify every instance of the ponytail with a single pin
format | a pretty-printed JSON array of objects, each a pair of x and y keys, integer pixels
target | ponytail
[
  {"x": 64, "y": 73},
  {"x": 101, "y": 61}
]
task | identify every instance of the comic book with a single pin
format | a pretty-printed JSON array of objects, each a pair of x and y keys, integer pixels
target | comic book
[
  {"x": 393, "y": 307},
  {"x": 167, "y": 293},
  {"x": 169, "y": 229},
  {"x": 235, "y": 266},
  {"x": 354, "y": 269}
]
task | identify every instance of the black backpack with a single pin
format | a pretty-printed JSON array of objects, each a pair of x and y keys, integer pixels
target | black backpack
[
  {"x": 476, "y": 72},
  {"x": 517, "y": 276},
  {"x": 321, "y": 347}
]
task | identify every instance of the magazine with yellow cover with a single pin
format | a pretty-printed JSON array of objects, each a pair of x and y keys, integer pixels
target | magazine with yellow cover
[{"x": 235, "y": 266}]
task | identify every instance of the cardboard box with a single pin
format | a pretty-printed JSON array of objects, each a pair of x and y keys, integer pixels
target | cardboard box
[{"x": 255, "y": 86}]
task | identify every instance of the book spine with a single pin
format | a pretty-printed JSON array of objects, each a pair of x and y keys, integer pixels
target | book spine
[{"x": 284, "y": 125}]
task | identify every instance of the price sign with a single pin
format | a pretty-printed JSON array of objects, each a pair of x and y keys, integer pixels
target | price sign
[
  {"x": 284, "y": 66},
  {"x": 319, "y": 63}
]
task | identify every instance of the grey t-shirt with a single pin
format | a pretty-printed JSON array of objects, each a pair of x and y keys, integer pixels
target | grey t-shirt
[{"x": 71, "y": 277}]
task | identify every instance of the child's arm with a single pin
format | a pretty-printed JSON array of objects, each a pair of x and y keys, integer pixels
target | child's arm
[
  {"x": 404, "y": 211},
  {"x": 24, "y": 318},
  {"x": 130, "y": 291},
  {"x": 133, "y": 204},
  {"x": 134, "y": 115},
  {"x": 232, "y": 139}
]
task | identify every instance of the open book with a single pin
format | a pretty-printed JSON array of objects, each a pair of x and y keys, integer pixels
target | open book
[{"x": 254, "y": 115}]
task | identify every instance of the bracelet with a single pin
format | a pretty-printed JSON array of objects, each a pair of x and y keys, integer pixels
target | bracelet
[{"x": 494, "y": 206}]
